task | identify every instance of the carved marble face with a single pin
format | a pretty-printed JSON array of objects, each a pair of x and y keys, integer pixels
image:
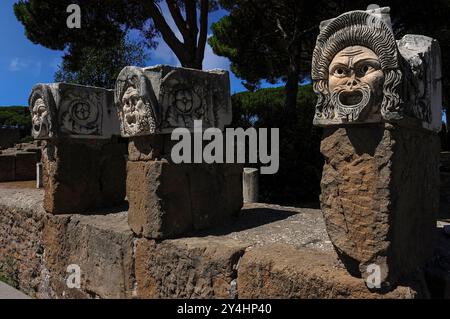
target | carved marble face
[
  {"x": 355, "y": 82},
  {"x": 40, "y": 119},
  {"x": 133, "y": 107}
]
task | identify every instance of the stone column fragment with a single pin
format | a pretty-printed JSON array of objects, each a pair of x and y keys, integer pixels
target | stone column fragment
[
  {"x": 379, "y": 101},
  {"x": 83, "y": 162},
  {"x": 168, "y": 199},
  {"x": 250, "y": 185}
]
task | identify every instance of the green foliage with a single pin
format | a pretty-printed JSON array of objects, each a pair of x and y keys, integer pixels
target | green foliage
[
  {"x": 266, "y": 39},
  {"x": 298, "y": 179},
  {"x": 261, "y": 38},
  {"x": 15, "y": 115},
  {"x": 100, "y": 66}
]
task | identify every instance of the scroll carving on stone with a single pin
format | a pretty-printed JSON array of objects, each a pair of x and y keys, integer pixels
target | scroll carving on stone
[
  {"x": 158, "y": 99},
  {"x": 361, "y": 74},
  {"x": 81, "y": 112}
]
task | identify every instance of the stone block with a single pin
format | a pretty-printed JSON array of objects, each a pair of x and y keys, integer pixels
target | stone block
[
  {"x": 391, "y": 81},
  {"x": 21, "y": 249},
  {"x": 7, "y": 167},
  {"x": 168, "y": 200},
  {"x": 83, "y": 175},
  {"x": 187, "y": 267},
  {"x": 380, "y": 197},
  {"x": 160, "y": 98},
  {"x": 69, "y": 110},
  {"x": 102, "y": 247},
  {"x": 281, "y": 271}
]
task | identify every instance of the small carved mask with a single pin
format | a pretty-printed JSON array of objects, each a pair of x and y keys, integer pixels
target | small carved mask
[
  {"x": 133, "y": 106},
  {"x": 356, "y": 83},
  {"x": 40, "y": 119}
]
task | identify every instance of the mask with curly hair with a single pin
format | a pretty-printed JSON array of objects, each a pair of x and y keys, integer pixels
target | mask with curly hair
[{"x": 356, "y": 71}]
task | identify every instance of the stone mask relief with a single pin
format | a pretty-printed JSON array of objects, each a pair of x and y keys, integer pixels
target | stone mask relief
[
  {"x": 356, "y": 83},
  {"x": 133, "y": 108},
  {"x": 40, "y": 119},
  {"x": 356, "y": 72}
]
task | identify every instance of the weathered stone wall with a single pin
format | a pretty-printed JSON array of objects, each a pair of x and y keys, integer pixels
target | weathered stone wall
[
  {"x": 21, "y": 247},
  {"x": 9, "y": 137},
  {"x": 251, "y": 259},
  {"x": 18, "y": 165}
]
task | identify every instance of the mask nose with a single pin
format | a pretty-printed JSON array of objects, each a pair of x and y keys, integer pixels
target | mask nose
[{"x": 352, "y": 81}]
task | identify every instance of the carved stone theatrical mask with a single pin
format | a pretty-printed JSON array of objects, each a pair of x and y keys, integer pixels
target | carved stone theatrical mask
[
  {"x": 355, "y": 71},
  {"x": 41, "y": 106},
  {"x": 40, "y": 118},
  {"x": 361, "y": 74},
  {"x": 356, "y": 83},
  {"x": 136, "y": 112}
]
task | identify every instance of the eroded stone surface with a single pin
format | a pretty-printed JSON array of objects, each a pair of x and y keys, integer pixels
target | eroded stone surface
[
  {"x": 187, "y": 268},
  {"x": 248, "y": 260},
  {"x": 83, "y": 175},
  {"x": 280, "y": 271},
  {"x": 168, "y": 200},
  {"x": 380, "y": 197}
]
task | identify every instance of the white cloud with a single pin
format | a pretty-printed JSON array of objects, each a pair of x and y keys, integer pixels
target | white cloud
[
  {"x": 18, "y": 64},
  {"x": 212, "y": 61}
]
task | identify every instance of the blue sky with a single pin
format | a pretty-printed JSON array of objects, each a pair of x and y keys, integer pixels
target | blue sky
[{"x": 23, "y": 64}]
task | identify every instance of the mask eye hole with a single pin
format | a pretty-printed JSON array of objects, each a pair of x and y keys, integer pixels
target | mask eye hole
[{"x": 339, "y": 72}]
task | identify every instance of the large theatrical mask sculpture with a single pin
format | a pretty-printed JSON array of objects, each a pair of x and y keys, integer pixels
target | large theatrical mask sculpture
[
  {"x": 363, "y": 75},
  {"x": 379, "y": 101}
]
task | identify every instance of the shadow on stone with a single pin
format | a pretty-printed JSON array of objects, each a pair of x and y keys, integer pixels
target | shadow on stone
[
  {"x": 248, "y": 219},
  {"x": 365, "y": 139}
]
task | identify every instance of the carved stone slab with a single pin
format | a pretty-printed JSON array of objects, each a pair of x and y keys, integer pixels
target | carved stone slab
[
  {"x": 422, "y": 79},
  {"x": 158, "y": 99},
  {"x": 69, "y": 110},
  {"x": 361, "y": 74}
]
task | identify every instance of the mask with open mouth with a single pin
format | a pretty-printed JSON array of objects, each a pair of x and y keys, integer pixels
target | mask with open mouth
[{"x": 356, "y": 83}]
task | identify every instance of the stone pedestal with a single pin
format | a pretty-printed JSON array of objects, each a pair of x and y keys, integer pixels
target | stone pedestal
[
  {"x": 84, "y": 165},
  {"x": 83, "y": 175},
  {"x": 379, "y": 101},
  {"x": 167, "y": 200},
  {"x": 380, "y": 196}
]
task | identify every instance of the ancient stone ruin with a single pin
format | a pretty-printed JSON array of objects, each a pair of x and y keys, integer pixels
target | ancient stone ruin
[
  {"x": 83, "y": 162},
  {"x": 380, "y": 106},
  {"x": 136, "y": 224},
  {"x": 167, "y": 199}
]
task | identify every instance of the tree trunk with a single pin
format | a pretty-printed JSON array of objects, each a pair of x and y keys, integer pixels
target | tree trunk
[{"x": 190, "y": 62}]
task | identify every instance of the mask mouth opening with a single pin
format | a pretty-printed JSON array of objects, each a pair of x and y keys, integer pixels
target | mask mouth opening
[{"x": 350, "y": 98}]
